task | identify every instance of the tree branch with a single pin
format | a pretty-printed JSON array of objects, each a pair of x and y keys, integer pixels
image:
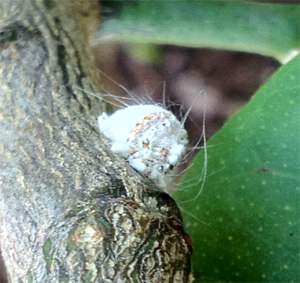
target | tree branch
[{"x": 71, "y": 211}]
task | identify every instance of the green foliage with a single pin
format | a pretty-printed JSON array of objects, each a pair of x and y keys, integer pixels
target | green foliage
[
  {"x": 271, "y": 30},
  {"x": 245, "y": 223}
]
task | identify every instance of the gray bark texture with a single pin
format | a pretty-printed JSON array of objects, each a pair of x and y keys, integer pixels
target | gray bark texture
[{"x": 70, "y": 210}]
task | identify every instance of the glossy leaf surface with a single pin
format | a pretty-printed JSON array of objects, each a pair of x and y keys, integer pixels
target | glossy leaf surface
[{"x": 245, "y": 223}]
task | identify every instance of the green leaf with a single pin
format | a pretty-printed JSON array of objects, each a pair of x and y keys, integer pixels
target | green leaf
[
  {"x": 245, "y": 223},
  {"x": 267, "y": 29}
]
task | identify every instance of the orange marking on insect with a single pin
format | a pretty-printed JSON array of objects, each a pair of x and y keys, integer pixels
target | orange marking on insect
[
  {"x": 151, "y": 117},
  {"x": 136, "y": 129},
  {"x": 145, "y": 144},
  {"x": 148, "y": 119},
  {"x": 165, "y": 153}
]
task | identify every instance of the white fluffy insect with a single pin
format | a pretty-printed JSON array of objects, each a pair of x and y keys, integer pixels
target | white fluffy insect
[{"x": 150, "y": 138}]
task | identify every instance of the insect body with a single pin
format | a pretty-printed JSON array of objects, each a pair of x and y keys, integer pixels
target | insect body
[{"x": 150, "y": 138}]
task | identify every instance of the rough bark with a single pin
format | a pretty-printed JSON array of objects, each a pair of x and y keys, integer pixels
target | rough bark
[{"x": 70, "y": 210}]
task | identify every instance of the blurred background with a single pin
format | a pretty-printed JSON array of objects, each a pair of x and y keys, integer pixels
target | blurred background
[{"x": 215, "y": 81}]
